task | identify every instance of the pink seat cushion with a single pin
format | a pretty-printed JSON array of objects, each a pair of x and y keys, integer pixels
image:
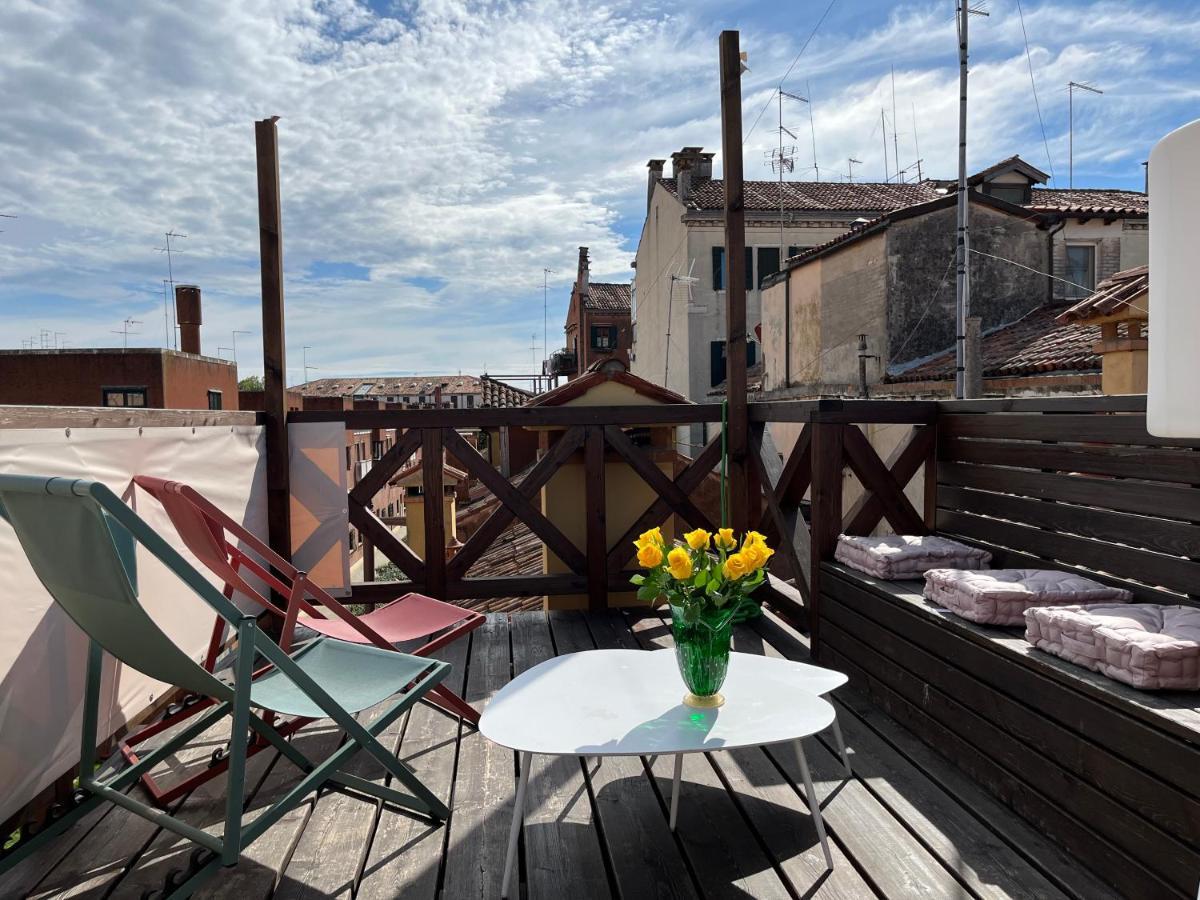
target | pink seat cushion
[{"x": 412, "y": 616}]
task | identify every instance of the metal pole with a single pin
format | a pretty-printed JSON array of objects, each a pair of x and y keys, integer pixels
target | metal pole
[
  {"x": 883, "y": 126},
  {"x": 962, "y": 282},
  {"x": 1071, "y": 135},
  {"x": 895, "y": 124},
  {"x": 735, "y": 287},
  {"x": 813, "y": 128},
  {"x": 782, "y": 248}
]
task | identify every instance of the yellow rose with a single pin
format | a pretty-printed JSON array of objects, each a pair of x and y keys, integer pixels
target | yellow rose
[
  {"x": 679, "y": 564},
  {"x": 735, "y": 567},
  {"x": 698, "y": 539},
  {"x": 725, "y": 539},
  {"x": 756, "y": 555},
  {"x": 649, "y": 556},
  {"x": 653, "y": 537},
  {"x": 754, "y": 537}
]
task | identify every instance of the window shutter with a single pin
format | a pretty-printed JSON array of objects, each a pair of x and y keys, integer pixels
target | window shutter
[
  {"x": 751, "y": 353},
  {"x": 716, "y": 363},
  {"x": 718, "y": 268},
  {"x": 749, "y": 268}
]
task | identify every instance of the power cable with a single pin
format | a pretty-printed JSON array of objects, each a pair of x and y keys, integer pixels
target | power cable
[{"x": 1033, "y": 84}]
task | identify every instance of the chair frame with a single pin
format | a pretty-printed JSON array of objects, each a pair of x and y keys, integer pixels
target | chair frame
[
  {"x": 286, "y": 580},
  {"x": 225, "y": 850}
]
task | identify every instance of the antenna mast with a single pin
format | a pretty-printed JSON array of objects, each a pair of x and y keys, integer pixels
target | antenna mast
[
  {"x": 850, "y": 164},
  {"x": 783, "y": 158},
  {"x": 1072, "y": 87},
  {"x": 546, "y": 273},
  {"x": 812, "y": 127},
  {"x": 125, "y": 332},
  {"x": 895, "y": 125},
  {"x": 168, "y": 249},
  {"x": 883, "y": 124},
  {"x": 963, "y": 281}
]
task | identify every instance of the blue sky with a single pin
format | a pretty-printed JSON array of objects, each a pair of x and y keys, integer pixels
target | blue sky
[{"x": 437, "y": 156}]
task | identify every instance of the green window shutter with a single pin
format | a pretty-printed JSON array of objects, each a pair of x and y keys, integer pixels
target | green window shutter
[
  {"x": 718, "y": 268},
  {"x": 749, "y": 268}
]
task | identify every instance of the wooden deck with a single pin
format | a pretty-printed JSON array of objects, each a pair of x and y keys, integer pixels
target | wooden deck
[{"x": 908, "y": 824}]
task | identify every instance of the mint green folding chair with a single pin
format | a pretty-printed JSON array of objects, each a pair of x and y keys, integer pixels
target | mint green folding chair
[{"x": 80, "y": 539}]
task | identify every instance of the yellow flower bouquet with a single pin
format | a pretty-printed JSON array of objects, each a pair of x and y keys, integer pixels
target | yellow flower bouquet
[
  {"x": 705, "y": 572},
  {"x": 706, "y": 578}
]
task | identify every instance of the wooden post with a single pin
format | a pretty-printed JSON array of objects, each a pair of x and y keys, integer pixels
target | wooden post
[
  {"x": 596, "y": 519},
  {"x": 735, "y": 281},
  {"x": 826, "y": 516},
  {"x": 435, "y": 505},
  {"x": 270, "y": 241}
]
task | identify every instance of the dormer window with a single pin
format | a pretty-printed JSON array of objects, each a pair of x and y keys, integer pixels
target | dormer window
[{"x": 1010, "y": 192}]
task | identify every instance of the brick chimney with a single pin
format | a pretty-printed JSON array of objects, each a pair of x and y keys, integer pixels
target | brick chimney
[
  {"x": 655, "y": 167},
  {"x": 688, "y": 166},
  {"x": 187, "y": 315},
  {"x": 582, "y": 275}
]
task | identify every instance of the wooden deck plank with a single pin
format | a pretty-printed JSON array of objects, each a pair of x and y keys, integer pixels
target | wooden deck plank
[
  {"x": 726, "y": 855},
  {"x": 646, "y": 860},
  {"x": 329, "y": 858},
  {"x": 484, "y": 782},
  {"x": 405, "y": 854},
  {"x": 562, "y": 851},
  {"x": 979, "y": 859},
  {"x": 1027, "y": 855}
]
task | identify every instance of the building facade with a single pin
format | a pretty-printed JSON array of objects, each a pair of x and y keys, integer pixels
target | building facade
[
  {"x": 598, "y": 325},
  {"x": 139, "y": 377},
  {"x": 423, "y": 392}
]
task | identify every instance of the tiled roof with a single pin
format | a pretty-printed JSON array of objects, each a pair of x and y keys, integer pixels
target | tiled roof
[
  {"x": 1035, "y": 344},
  {"x": 494, "y": 393},
  {"x": 607, "y": 297},
  {"x": 1098, "y": 201},
  {"x": 1111, "y": 296},
  {"x": 709, "y": 193}
]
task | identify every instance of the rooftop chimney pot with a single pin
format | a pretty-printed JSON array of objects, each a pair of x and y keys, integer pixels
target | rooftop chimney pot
[{"x": 187, "y": 315}]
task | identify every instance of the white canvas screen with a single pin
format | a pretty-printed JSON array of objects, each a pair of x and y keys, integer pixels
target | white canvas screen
[{"x": 43, "y": 653}]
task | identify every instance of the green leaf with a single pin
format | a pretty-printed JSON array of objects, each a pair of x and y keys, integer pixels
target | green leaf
[
  {"x": 647, "y": 592},
  {"x": 638, "y": 579},
  {"x": 700, "y": 579}
]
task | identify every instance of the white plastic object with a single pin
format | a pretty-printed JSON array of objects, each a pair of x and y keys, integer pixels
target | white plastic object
[{"x": 1172, "y": 403}]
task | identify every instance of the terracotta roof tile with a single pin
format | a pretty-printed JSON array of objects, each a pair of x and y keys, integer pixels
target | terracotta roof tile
[
  {"x": 1111, "y": 296},
  {"x": 709, "y": 193},
  {"x": 1035, "y": 344},
  {"x": 607, "y": 297},
  {"x": 1097, "y": 201},
  {"x": 494, "y": 393}
]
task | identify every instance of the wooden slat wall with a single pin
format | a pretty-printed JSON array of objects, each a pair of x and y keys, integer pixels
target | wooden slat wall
[{"x": 1092, "y": 491}]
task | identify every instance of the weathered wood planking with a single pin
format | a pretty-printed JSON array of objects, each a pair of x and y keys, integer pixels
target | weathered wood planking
[
  {"x": 562, "y": 848},
  {"x": 406, "y": 851},
  {"x": 485, "y": 781}
]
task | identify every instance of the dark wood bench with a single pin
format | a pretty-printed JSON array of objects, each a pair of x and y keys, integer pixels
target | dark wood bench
[{"x": 1110, "y": 772}]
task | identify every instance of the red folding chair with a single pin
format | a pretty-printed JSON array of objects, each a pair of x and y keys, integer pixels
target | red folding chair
[{"x": 211, "y": 535}]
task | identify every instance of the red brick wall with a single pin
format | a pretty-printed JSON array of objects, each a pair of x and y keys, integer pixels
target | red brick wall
[{"x": 188, "y": 379}]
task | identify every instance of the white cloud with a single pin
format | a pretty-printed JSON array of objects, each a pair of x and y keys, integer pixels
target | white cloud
[{"x": 470, "y": 143}]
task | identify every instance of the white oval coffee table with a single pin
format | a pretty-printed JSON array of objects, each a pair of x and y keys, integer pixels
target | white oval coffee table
[{"x": 629, "y": 703}]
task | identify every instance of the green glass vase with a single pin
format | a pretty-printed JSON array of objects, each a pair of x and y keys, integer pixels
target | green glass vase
[{"x": 702, "y": 652}]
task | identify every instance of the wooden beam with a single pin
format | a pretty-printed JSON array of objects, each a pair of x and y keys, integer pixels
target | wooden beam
[
  {"x": 795, "y": 541},
  {"x": 362, "y": 518},
  {"x": 680, "y": 502},
  {"x": 827, "y": 459},
  {"x": 270, "y": 242},
  {"x": 735, "y": 284},
  {"x": 516, "y": 502},
  {"x": 387, "y": 466},
  {"x": 875, "y": 477},
  {"x": 435, "y": 520},
  {"x": 597, "y": 523},
  {"x": 515, "y": 416},
  {"x": 903, "y": 463}
]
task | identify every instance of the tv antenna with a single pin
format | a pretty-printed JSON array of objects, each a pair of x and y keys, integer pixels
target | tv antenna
[
  {"x": 304, "y": 361},
  {"x": 6, "y": 216},
  {"x": 784, "y": 158},
  {"x": 850, "y": 164},
  {"x": 687, "y": 280},
  {"x": 895, "y": 136},
  {"x": 125, "y": 331},
  {"x": 1072, "y": 87},
  {"x": 168, "y": 249},
  {"x": 235, "y": 334},
  {"x": 546, "y": 273}
]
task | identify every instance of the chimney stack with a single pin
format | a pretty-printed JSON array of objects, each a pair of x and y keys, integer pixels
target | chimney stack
[
  {"x": 656, "y": 172},
  {"x": 688, "y": 166},
  {"x": 187, "y": 316},
  {"x": 582, "y": 275}
]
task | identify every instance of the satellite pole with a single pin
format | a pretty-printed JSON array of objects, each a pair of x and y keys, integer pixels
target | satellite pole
[
  {"x": 1072, "y": 87},
  {"x": 883, "y": 124},
  {"x": 812, "y": 127},
  {"x": 916, "y": 141},
  {"x": 125, "y": 332},
  {"x": 850, "y": 164},
  {"x": 170, "y": 277},
  {"x": 304, "y": 362},
  {"x": 234, "y": 348},
  {"x": 895, "y": 126},
  {"x": 963, "y": 280},
  {"x": 784, "y": 158},
  {"x": 546, "y": 273}
]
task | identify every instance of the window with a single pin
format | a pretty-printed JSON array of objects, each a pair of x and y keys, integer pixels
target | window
[
  {"x": 363, "y": 389},
  {"x": 717, "y": 363},
  {"x": 214, "y": 399},
  {"x": 1012, "y": 193},
  {"x": 718, "y": 268},
  {"x": 470, "y": 401},
  {"x": 376, "y": 449},
  {"x": 124, "y": 396},
  {"x": 1081, "y": 269},
  {"x": 768, "y": 263},
  {"x": 349, "y": 462},
  {"x": 604, "y": 337}
]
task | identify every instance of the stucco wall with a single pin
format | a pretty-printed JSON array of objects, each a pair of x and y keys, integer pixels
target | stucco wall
[
  {"x": 1122, "y": 244},
  {"x": 920, "y": 255}
]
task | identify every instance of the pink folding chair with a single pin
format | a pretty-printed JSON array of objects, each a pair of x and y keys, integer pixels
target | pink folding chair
[{"x": 221, "y": 544}]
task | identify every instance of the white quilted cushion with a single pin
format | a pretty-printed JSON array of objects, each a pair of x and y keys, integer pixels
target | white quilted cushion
[
  {"x": 897, "y": 557},
  {"x": 1143, "y": 644},
  {"x": 1001, "y": 596}
]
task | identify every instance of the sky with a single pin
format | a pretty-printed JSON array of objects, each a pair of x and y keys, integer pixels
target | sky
[{"x": 436, "y": 157}]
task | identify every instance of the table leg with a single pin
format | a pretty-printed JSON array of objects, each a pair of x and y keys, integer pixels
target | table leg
[
  {"x": 675, "y": 788},
  {"x": 518, "y": 816},
  {"x": 814, "y": 805},
  {"x": 841, "y": 745}
]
